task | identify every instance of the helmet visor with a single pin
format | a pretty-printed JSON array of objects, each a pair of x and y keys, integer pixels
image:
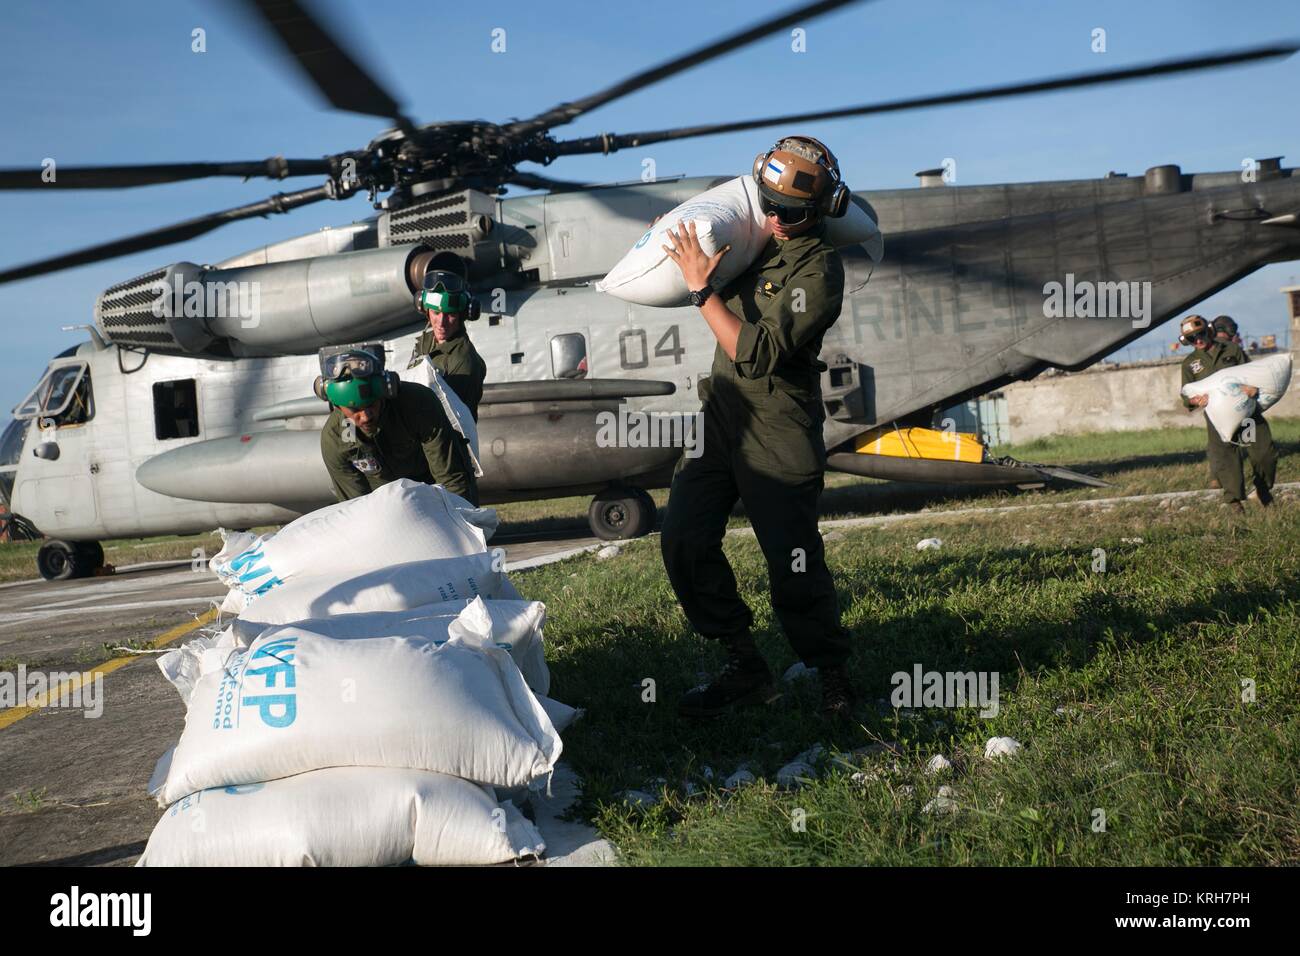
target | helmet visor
[{"x": 349, "y": 365}]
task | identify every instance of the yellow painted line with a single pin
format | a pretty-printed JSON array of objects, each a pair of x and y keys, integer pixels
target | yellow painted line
[{"x": 69, "y": 686}]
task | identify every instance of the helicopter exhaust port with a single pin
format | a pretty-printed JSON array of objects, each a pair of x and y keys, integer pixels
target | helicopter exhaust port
[{"x": 295, "y": 306}]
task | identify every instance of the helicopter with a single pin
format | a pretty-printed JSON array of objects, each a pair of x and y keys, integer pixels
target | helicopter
[{"x": 186, "y": 409}]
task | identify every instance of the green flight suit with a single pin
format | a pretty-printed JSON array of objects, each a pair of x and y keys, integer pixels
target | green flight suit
[
  {"x": 1226, "y": 457},
  {"x": 414, "y": 440},
  {"x": 762, "y": 444},
  {"x": 460, "y": 364}
]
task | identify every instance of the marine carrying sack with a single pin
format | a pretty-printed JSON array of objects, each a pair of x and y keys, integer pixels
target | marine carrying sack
[
  {"x": 296, "y": 701},
  {"x": 1228, "y": 406},
  {"x": 343, "y": 816},
  {"x": 727, "y": 214}
]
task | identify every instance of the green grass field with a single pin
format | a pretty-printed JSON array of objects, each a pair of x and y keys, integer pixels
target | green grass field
[{"x": 1124, "y": 686}]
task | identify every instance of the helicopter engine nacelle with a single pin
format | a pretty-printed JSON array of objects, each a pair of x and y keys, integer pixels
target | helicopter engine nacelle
[{"x": 295, "y": 306}]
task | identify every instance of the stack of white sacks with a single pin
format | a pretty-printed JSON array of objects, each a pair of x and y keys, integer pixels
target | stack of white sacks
[{"x": 380, "y": 682}]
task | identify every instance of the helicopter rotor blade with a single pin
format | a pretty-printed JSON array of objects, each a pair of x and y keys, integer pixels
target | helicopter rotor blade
[
  {"x": 346, "y": 84},
  {"x": 149, "y": 174},
  {"x": 534, "y": 181},
  {"x": 279, "y": 203},
  {"x": 609, "y": 142},
  {"x": 567, "y": 112}
]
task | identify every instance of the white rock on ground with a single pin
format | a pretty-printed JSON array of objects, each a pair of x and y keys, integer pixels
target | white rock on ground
[
  {"x": 798, "y": 671},
  {"x": 1001, "y": 747},
  {"x": 811, "y": 755},
  {"x": 741, "y": 778},
  {"x": 607, "y": 552},
  {"x": 929, "y": 544},
  {"x": 638, "y": 798},
  {"x": 938, "y": 764},
  {"x": 788, "y": 777},
  {"x": 942, "y": 803}
]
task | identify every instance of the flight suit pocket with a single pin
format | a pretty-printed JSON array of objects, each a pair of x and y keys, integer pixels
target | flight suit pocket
[{"x": 787, "y": 439}]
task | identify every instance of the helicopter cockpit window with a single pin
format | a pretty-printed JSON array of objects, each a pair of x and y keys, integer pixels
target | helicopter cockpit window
[
  {"x": 11, "y": 449},
  {"x": 569, "y": 355},
  {"x": 175, "y": 409},
  {"x": 62, "y": 396}
]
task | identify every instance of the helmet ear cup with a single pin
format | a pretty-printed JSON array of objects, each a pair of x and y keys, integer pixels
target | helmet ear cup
[
  {"x": 318, "y": 387},
  {"x": 391, "y": 384},
  {"x": 836, "y": 203},
  {"x": 474, "y": 311}
]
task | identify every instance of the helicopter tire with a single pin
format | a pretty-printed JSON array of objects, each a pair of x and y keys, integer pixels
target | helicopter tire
[
  {"x": 60, "y": 561},
  {"x": 618, "y": 513},
  {"x": 91, "y": 554}
]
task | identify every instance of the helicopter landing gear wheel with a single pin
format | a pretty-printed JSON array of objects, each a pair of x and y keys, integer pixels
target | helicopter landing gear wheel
[
  {"x": 621, "y": 513},
  {"x": 60, "y": 561},
  {"x": 91, "y": 555}
]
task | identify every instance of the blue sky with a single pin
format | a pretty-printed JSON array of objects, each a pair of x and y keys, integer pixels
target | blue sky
[{"x": 117, "y": 82}]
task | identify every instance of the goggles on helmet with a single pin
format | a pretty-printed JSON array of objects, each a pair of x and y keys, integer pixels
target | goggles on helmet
[
  {"x": 786, "y": 215},
  {"x": 444, "y": 292},
  {"x": 356, "y": 365}
]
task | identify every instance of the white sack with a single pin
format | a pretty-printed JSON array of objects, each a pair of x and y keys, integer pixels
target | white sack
[
  {"x": 396, "y": 588},
  {"x": 398, "y": 522},
  {"x": 343, "y": 816},
  {"x": 1228, "y": 406},
  {"x": 516, "y": 627},
  {"x": 727, "y": 214},
  {"x": 184, "y": 666},
  {"x": 457, "y": 412},
  {"x": 296, "y": 701}
]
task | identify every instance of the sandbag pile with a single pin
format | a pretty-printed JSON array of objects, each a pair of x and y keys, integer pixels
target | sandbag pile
[
  {"x": 380, "y": 680},
  {"x": 1228, "y": 405}
]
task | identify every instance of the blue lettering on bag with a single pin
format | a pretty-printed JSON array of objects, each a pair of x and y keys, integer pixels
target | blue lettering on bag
[{"x": 276, "y": 710}]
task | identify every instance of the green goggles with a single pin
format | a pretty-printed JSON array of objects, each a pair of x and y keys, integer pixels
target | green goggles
[{"x": 355, "y": 393}]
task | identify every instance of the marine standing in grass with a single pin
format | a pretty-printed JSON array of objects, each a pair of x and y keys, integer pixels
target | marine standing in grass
[
  {"x": 1212, "y": 353},
  {"x": 762, "y": 435},
  {"x": 447, "y": 304},
  {"x": 381, "y": 429}
]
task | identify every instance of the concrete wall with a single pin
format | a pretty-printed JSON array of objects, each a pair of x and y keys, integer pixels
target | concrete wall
[{"x": 1126, "y": 398}]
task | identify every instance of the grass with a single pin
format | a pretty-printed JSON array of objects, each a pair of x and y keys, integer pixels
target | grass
[
  {"x": 1125, "y": 687},
  {"x": 31, "y": 801}
]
